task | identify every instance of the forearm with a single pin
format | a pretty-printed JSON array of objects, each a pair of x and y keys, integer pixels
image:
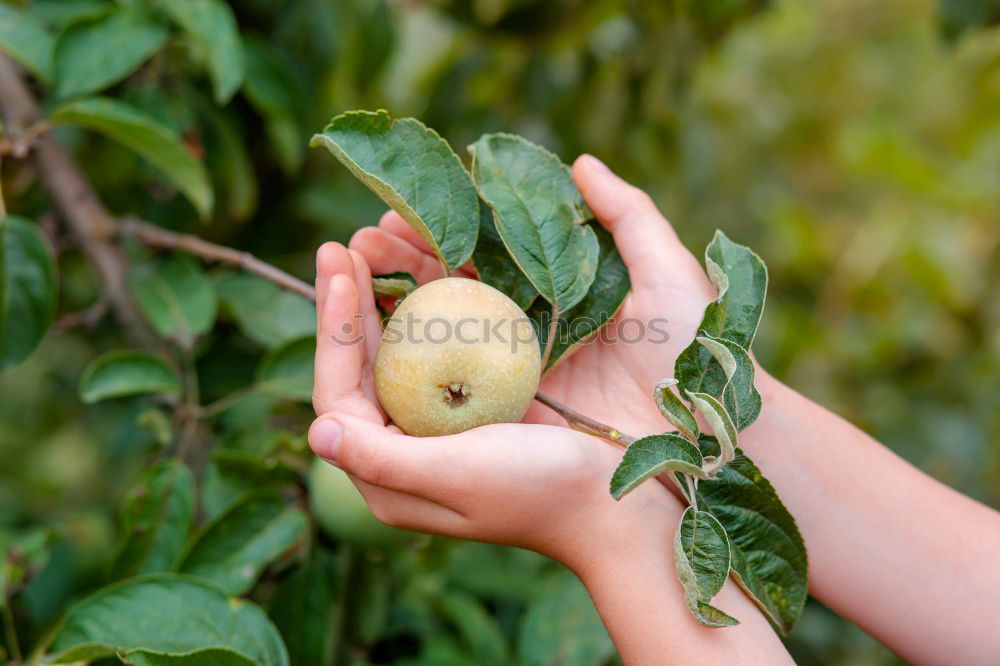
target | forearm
[
  {"x": 908, "y": 559},
  {"x": 641, "y": 602}
]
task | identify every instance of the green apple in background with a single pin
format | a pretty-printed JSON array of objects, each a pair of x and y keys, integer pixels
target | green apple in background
[
  {"x": 342, "y": 513},
  {"x": 456, "y": 354}
]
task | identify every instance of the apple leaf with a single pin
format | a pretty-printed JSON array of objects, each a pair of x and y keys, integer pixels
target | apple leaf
[
  {"x": 413, "y": 170},
  {"x": 264, "y": 312},
  {"x": 649, "y": 456},
  {"x": 232, "y": 550},
  {"x": 741, "y": 279},
  {"x": 739, "y": 395},
  {"x": 287, "y": 371},
  {"x": 212, "y": 28},
  {"x": 721, "y": 424},
  {"x": 91, "y": 55},
  {"x": 674, "y": 410},
  {"x": 129, "y": 617},
  {"x": 396, "y": 285},
  {"x": 539, "y": 215},
  {"x": 26, "y": 39},
  {"x": 303, "y": 609},
  {"x": 579, "y": 324},
  {"x": 27, "y": 289},
  {"x": 155, "y": 142},
  {"x": 494, "y": 264},
  {"x": 176, "y": 297},
  {"x": 769, "y": 558},
  {"x": 701, "y": 556},
  {"x": 125, "y": 372},
  {"x": 156, "y": 517},
  {"x": 205, "y": 657},
  {"x": 231, "y": 474}
]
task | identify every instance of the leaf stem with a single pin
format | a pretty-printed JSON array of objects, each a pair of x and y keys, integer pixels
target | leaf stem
[
  {"x": 578, "y": 421},
  {"x": 550, "y": 338},
  {"x": 227, "y": 401},
  {"x": 3, "y": 206},
  {"x": 692, "y": 485},
  {"x": 10, "y": 632}
]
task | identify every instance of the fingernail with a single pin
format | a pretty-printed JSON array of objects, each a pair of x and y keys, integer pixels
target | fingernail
[
  {"x": 324, "y": 438},
  {"x": 599, "y": 165}
]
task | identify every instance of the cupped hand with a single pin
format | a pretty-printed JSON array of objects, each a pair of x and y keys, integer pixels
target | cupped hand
[
  {"x": 611, "y": 377},
  {"x": 536, "y": 486}
]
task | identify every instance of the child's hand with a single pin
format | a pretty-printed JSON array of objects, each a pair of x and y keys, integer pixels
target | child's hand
[{"x": 541, "y": 487}]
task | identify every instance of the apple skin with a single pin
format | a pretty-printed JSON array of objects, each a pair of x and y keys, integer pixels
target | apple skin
[
  {"x": 455, "y": 355},
  {"x": 342, "y": 513}
]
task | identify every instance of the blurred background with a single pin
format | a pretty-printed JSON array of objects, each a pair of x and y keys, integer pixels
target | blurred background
[{"x": 854, "y": 145}]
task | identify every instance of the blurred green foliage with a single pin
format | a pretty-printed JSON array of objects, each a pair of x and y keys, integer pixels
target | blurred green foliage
[{"x": 854, "y": 145}]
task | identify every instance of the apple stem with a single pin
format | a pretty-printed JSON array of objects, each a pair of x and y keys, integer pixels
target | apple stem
[{"x": 578, "y": 421}]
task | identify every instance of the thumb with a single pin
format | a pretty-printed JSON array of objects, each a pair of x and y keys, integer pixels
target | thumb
[
  {"x": 376, "y": 454},
  {"x": 645, "y": 238}
]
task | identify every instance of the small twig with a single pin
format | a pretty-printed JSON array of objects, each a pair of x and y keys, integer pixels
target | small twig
[
  {"x": 190, "y": 409},
  {"x": 10, "y": 631},
  {"x": 159, "y": 237},
  {"x": 88, "y": 318},
  {"x": 227, "y": 401},
  {"x": 550, "y": 340},
  {"x": 578, "y": 421}
]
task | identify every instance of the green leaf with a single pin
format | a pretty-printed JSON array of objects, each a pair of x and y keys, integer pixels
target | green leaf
[
  {"x": 212, "y": 27},
  {"x": 156, "y": 517},
  {"x": 287, "y": 371},
  {"x": 494, "y": 264},
  {"x": 674, "y": 410},
  {"x": 302, "y": 609},
  {"x": 701, "y": 556},
  {"x": 153, "y": 141},
  {"x": 415, "y": 171},
  {"x": 741, "y": 279},
  {"x": 92, "y": 55},
  {"x": 476, "y": 627},
  {"x": 603, "y": 300},
  {"x": 124, "y": 372},
  {"x": 27, "y": 40},
  {"x": 270, "y": 85},
  {"x": 266, "y": 313},
  {"x": 397, "y": 285},
  {"x": 27, "y": 289},
  {"x": 129, "y": 616},
  {"x": 721, "y": 425},
  {"x": 231, "y": 474},
  {"x": 649, "y": 456},
  {"x": 227, "y": 160},
  {"x": 176, "y": 296},
  {"x": 769, "y": 557},
  {"x": 61, "y": 13},
  {"x": 206, "y": 657},
  {"x": 561, "y": 626},
  {"x": 739, "y": 395},
  {"x": 539, "y": 214},
  {"x": 233, "y": 549}
]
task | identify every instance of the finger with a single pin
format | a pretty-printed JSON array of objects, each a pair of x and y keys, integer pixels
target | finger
[
  {"x": 410, "y": 512},
  {"x": 371, "y": 322},
  {"x": 331, "y": 259},
  {"x": 397, "y": 226},
  {"x": 386, "y": 253},
  {"x": 394, "y": 223},
  {"x": 645, "y": 239},
  {"x": 340, "y": 353},
  {"x": 378, "y": 456}
]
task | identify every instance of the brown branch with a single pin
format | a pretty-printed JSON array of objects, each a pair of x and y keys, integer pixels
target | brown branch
[
  {"x": 578, "y": 421},
  {"x": 75, "y": 198},
  {"x": 158, "y": 237},
  {"x": 88, "y": 318}
]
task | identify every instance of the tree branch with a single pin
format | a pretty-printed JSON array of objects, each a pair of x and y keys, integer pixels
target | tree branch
[
  {"x": 159, "y": 237},
  {"x": 95, "y": 230},
  {"x": 75, "y": 198},
  {"x": 578, "y": 421}
]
